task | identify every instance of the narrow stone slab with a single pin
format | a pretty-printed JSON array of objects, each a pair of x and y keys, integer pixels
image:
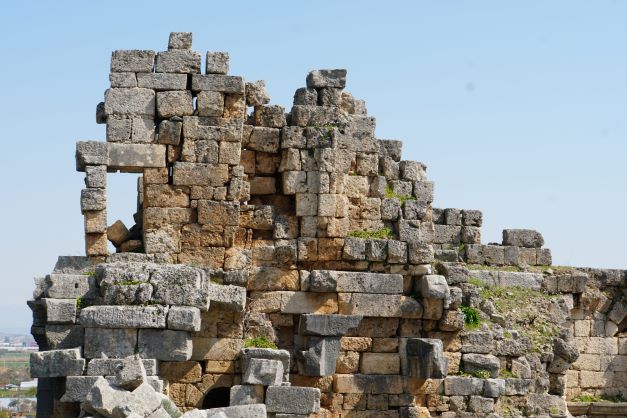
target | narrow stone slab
[
  {"x": 124, "y": 316},
  {"x": 57, "y": 363},
  {"x": 426, "y": 358},
  {"x": 135, "y": 157},
  {"x": 113, "y": 343},
  {"x": 162, "y": 81},
  {"x": 109, "y": 366},
  {"x": 292, "y": 400},
  {"x": 328, "y": 325},
  {"x": 218, "y": 82},
  {"x": 355, "y": 282}
]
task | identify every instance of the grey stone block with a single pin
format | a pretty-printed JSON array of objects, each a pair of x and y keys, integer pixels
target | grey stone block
[
  {"x": 218, "y": 82},
  {"x": 57, "y": 363},
  {"x": 455, "y": 273},
  {"x": 59, "y": 337},
  {"x": 493, "y": 255},
  {"x": 179, "y": 285},
  {"x": 90, "y": 153},
  {"x": 358, "y": 282},
  {"x": 420, "y": 253},
  {"x": 176, "y": 103},
  {"x": 479, "y": 404},
  {"x": 103, "y": 398},
  {"x": 328, "y": 325},
  {"x": 60, "y": 311},
  {"x": 265, "y": 353},
  {"x": 423, "y": 191},
  {"x": 321, "y": 357},
  {"x": 109, "y": 366},
  {"x": 397, "y": 251},
  {"x": 227, "y": 297},
  {"x": 170, "y": 132},
  {"x": 453, "y": 216},
  {"x": 305, "y": 97},
  {"x": 131, "y": 373},
  {"x": 96, "y": 176},
  {"x": 481, "y": 362},
  {"x": 124, "y": 316},
  {"x": 93, "y": 199},
  {"x": 77, "y": 388},
  {"x": 493, "y": 388},
  {"x": 410, "y": 231},
  {"x": 425, "y": 358},
  {"x": 134, "y": 157},
  {"x": 462, "y": 386},
  {"x": 166, "y": 345},
  {"x": 354, "y": 248},
  {"x": 184, "y": 318},
  {"x": 72, "y": 264},
  {"x": 472, "y": 217},
  {"x": 246, "y": 395},
  {"x": 292, "y": 400},
  {"x": 70, "y": 286},
  {"x": 123, "y": 80},
  {"x": 240, "y": 411},
  {"x": 447, "y": 234},
  {"x": 162, "y": 81},
  {"x": 263, "y": 372},
  {"x": 256, "y": 93},
  {"x": 134, "y": 61},
  {"x": 414, "y": 210},
  {"x": 527, "y": 280},
  {"x": 178, "y": 61},
  {"x": 130, "y": 101},
  {"x": 127, "y": 294},
  {"x": 433, "y": 287},
  {"x": 180, "y": 40},
  {"x": 217, "y": 63},
  {"x": 326, "y": 78},
  {"x": 115, "y": 343},
  {"x": 376, "y": 249},
  {"x": 264, "y": 139},
  {"x": 522, "y": 238}
]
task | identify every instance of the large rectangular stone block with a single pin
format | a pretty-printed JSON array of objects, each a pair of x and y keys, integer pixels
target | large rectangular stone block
[
  {"x": 57, "y": 363},
  {"x": 179, "y": 285},
  {"x": 60, "y": 311},
  {"x": 109, "y": 366},
  {"x": 217, "y": 349},
  {"x": 131, "y": 102},
  {"x": 162, "y": 81},
  {"x": 362, "y": 383},
  {"x": 218, "y": 213},
  {"x": 124, "y": 316},
  {"x": 90, "y": 153},
  {"x": 135, "y": 157},
  {"x": 218, "y": 82},
  {"x": 327, "y": 78},
  {"x": 263, "y": 372},
  {"x": 133, "y": 61},
  {"x": 370, "y": 304},
  {"x": 380, "y": 363},
  {"x": 182, "y": 61},
  {"x": 192, "y": 174},
  {"x": 166, "y": 345},
  {"x": 355, "y": 282},
  {"x": 114, "y": 343},
  {"x": 292, "y": 400},
  {"x": 425, "y": 358},
  {"x": 70, "y": 286},
  {"x": 522, "y": 238},
  {"x": 328, "y": 325}
]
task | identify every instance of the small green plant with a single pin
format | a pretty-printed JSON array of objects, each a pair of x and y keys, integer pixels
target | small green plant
[
  {"x": 507, "y": 374},
  {"x": 383, "y": 233},
  {"x": 80, "y": 303},
  {"x": 600, "y": 398},
  {"x": 481, "y": 374},
  {"x": 471, "y": 317},
  {"x": 90, "y": 273},
  {"x": 150, "y": 303},
  {"x": 553, "y": 410},
  {"x": 216, "y": 282},
  {"x": 390, "y": 194},
  {"x": 507, "y": 335},
  {"x": 129, "y": 282},
  {"x": 259, "y": 342},
  {"x": 475, "y": 282}
]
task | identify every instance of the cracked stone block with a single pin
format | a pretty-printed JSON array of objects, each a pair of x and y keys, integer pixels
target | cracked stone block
[
  {"x": 247, "y": 354},
  {"x": 263, "y": 372},
  {"x": 124, "y": 316},
  {"x": 328, "y": 325},
  {"x": 426, "y": 358},
  {"x": 246, "y": 395},
  {"x": 326, "y": 78},
  {"x": 240, "y": 411},
  {"x": 57, "y": 363}
]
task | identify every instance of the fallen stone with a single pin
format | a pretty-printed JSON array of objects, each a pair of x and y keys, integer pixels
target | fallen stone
[
  {"x": 115, "y": 343},
  {"x": 241, "y": 411}
]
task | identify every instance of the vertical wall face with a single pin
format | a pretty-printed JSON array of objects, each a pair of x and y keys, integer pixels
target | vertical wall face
[{"x": 303, "y": 230}]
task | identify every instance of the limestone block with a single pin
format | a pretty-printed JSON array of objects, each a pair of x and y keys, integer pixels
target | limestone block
[
  {"x": 292, "y": 400},
  {"x": 220, "y": 213},
  {"x": 166, "y": 345},
  {"x": 264, "y": 139},
  {"x": 90, "y": 153},
  {"x": 423, "y": 191},
  {"x": 328, "y": 325},
  {"x": 190, "y": 174},
  {"x": 376, "y": 305},
  {"x": 77, "y": 388},
  {"x": 256, "y": 93},
  {"x": 180, "y": 40},
  {"x": 174, "y": 103},
  {"x": 493, "y": 255},
  {"x": 420, "y": 253},
  {"x": 123, "y": 79},
  {"x": 246, "y": 395},
  {"x": 109, "y": 366},
  {"x": 179, "y": 285},
  {"x": 162, "y": 81},
  {"x": 472, "y": 217},
  {"x": 184, "y": 318},
  {"x": 134, "y": 157},
  {"x": 522, "y": 238},
  {"x": 463, "y": 386},
  {"x": 129, "y": 101},
  {"x": 117, "y": 233},
  {"x": 412, "y": 171},
  {"x": 210, "y": 103},
  {"x": 306, "y": 96},
  {"x": 114, "y": 343},
  {"x": 93, "y": 200},
  {"x": 56, "y": 363},
  {"x": 543, "y": 257},
  {"x": 455, "y": 273},
  {"x": 345, "y": 281},
  {"x": 239, "y": 411},
  {"x": 397, "y": 252},
  {"x": 263, "y": 186},
  {"x": 493, "y": 388},
  {"x": 426, "y": 359},
  {"x": 216, "y": 348},
  {"x": 380, "y": 363},
  {"x": 390, "y": 209},
  {"x": 103, "y": 398},
  {"x": 96, "y": 177},
  {"x": 60, "y": 337},
  {"x": 271, "y": 116},
  {"x": 481, "y": 362},
  {"x": 178, "y": 61},
  {"x": 433, "y": 287},
  {"x": 411, "y": 232},
  {"x": 133, "y": 61},
  {"x": 227, "y": 297},
  {"x": 361, "y": 383},
  {"x": 218, "y": 82},
  {"x": 307, "y": 302},
  {"x": 447, "y": 234},
  {"x": 123, "y": 316},
  {"x": 320, "y": 116},
  {"x": 326, "y": 78},
  {"x": 70, "y": 286},
  {"x": 60, "y": 311},
  {"x": 263, "y": 372},
  {"x": 130, "y": 373}
]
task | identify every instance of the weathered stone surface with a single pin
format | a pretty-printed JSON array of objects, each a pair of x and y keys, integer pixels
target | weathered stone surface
[
  {"x": 263, "y": 372},
  {"x": 265, "y": 353},
  {"x": 222, "y": 213},
  {"x": 130, "y": 102},
  {"x": 184, "y": 318},
  {"x": 192, "y": 174},
  {"x": 374, "y": 384},
  {"x": 292, "y": 400},
  {"x": 326, "y": 78},
  {"x": 321, "y": 357},
  {"x": 370, "y": 304},
  {"x": 131, "y": 373},
  {"x": 135, "y": 157},
  {"x": 426, "y": 359},
  {"x": 115, "y": 343},
  {"x": 217, "y": 349},
  {"x": 90, "y": 153},
  {"x": 70, "y": 286},
  {"x": 180, "y": 40},
  {"x": 522, "y": 238},
  {"x": 328, "y": 325},
  {"x": 103, "y": 398},
  {"x": 462, "y": 386},
  {"x": 77, "y": 388},
  {"x": 174, "y": 103},
  {"x": 246, "y": 395},
  {"x": 227, "y": 297},
  {"x": 341, "y": 281},
  {"x": 162, "y": 81},
  {"x": 240, "y": 411},
  {"x": 481, "y": 362},
  {"x": 56, "y": 363},
  {"x": 433, "y": 287},
  {"x": 218, "y": 82},
  {"x": 124, "y": 316},
  {"x": 133, "y": 61},
  {"x": 60, "y": 311},
  {"x": 380, "y": 363},
  {"x": 60, "y": 337},
  {"x": 178, "y": 61},
  {"x": 179, "y": 285},
  {"x": 108, "y": 367},
  {"x": 166, "y": 345},
  {"x": 494, "y": 388},
  {"x": 93, "y": 199}
]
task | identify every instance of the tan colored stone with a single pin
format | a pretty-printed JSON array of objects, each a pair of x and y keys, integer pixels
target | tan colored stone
[
  {"x": 117, "y": 233},
  {"x": 380, "y": 363},
  {"x": 155, "y": 175},
  {"x": 95, "y": 221},
  {"x": 196, "y": 235},
  {"x": 216, "y": 348},
  {"x": 234, "y": 106},
  {"x": 309, "y": 302},
  {"x": 355, "y": 401},
  {"x": 165, "y": 195},
  {"x": 582, "y": 328},
  {"x": 593, "y": 379},
  {"x": 180, "y": 371},
  {"x": 155, "y": 218},
  {"x": 348, "y": 362},
  {"x": 324, "y": 383},
  {"x": 265, "y": 302},
  {"x": 590, "y": 362},
  {"x": 454, "y": 360},
  {"x": 262, "y": 185},
  {"x": 218, "y": 366},
  {"x": 96, "y": 244},
  {"x": 385, "y": 345},
  {"x": 211, "y": 257},
  {"x": 330, "y": 249},
  {"x": 356, "y": 343},
  {"x": 572, "y": 379},
  {"x": 176, "y": 392},
  {"x": 272, "y": 278}
]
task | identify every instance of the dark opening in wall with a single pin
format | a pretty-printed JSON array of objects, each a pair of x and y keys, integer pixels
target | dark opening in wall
[{"x": 217, "y": 398}]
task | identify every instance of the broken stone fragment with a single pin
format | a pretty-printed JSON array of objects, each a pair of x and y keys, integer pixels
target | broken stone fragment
[
  {"x": 180, "y": 40},
  {"x": 326, "y": 78},
  {"x": 117, "y": 233},
  {"x": 522, "y": 238}
]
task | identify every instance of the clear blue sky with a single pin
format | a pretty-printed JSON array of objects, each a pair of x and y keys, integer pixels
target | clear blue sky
[{"x": 518, "y": 108}]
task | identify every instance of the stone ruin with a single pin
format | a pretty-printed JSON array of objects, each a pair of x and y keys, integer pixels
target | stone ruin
[{"x": 292, "y": 265}]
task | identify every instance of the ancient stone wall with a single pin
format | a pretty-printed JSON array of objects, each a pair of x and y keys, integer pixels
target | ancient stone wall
[{"x": 303, "y": 231}]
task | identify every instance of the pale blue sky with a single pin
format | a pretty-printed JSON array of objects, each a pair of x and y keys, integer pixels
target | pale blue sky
[{"x": 518, "y": 108}]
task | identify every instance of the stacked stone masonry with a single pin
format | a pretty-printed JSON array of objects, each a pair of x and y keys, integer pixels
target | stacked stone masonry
[{"x": 302, "y": 231}]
